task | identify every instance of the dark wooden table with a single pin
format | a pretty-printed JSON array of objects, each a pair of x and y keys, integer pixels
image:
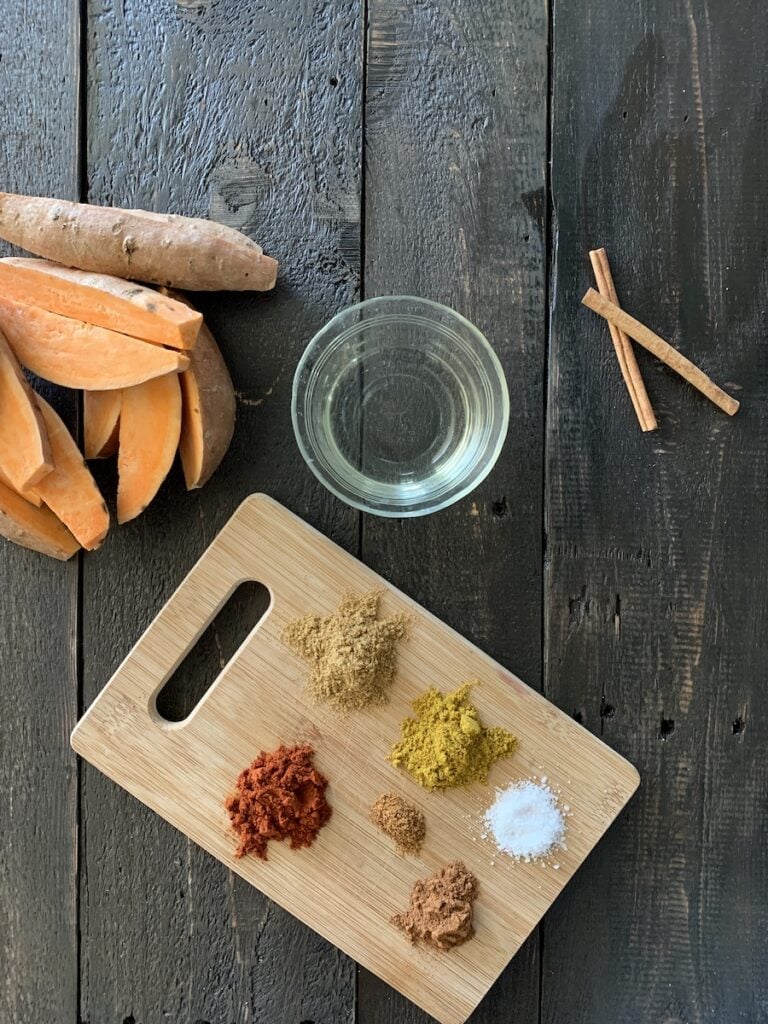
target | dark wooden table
[{"x": 471, "y": 152}]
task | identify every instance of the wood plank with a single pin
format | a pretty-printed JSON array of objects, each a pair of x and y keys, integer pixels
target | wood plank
[
  {"x": 249, "y": 114},
  {"x": 657, "y": 557},
  {"x": 39, "y": 75},
  {"x": 349, "y": 885},
  {"x": 455, "y": 173}
]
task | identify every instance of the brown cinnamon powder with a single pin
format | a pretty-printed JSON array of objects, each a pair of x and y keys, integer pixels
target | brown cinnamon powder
[{"x": 440, "y": 910}]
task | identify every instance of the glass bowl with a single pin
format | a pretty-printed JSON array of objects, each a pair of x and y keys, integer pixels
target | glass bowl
[{"x": 399, "y": 406}]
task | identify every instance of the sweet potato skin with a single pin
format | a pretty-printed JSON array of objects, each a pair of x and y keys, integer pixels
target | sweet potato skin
[
  {"x": 79, "y": 355},
  {"x": 34, "y": 528},
  {"x": 150, "y": 425},
  {"x": 161, "y": 248},
  {"x": 25, "y": 454},
  {"x": 209, "y": 408},
  {"x": 100, "y": 299},
  {"x": 101, "y": 423},
  {"x": 208, "y": 418},
  {"x": 70, "y": 491}
]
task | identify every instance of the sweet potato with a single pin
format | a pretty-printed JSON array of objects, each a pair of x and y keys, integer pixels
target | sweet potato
[
  {"x": 35, "y": 528},
  {"x": 150, "y": 424},
  {"x": 208, "y": 417},
  {"x": 208, "y": 408},
  {"x": 25, "y": 455},
  {"x": 70, "y": 491},
  {"x": 80, "y": 355},
  {"x": 100, "y": 299},
  {"x": 27, "y": 493},
  {"x": 180, "y": 252},
  {"x": 101, "y": 418}
]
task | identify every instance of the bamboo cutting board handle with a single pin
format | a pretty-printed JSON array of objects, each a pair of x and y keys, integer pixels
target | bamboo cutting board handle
[{"x": 184, "y": 617}]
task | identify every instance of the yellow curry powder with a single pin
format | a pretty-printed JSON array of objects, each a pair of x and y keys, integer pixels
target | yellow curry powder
[{"x": 446, "y": 744}]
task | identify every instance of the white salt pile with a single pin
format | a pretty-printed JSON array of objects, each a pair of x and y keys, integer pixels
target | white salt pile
[{"x": 525, "y": 820}]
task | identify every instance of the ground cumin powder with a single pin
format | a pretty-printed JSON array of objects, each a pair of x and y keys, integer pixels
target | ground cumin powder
[
  {"x": 281, "y": 795},
  {"x": 401, "y": 821},
  {"x": 440, "y": 909},
  {"x": 351, "y": 653},
  {"x": 446, "y": 744}
]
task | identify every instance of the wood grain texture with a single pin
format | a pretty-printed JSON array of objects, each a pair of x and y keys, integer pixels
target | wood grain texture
[
  {"x": 250, "y": 114},
  {"x": 351, "y": 882},
  {"x": 657, "y": 545},
  {"x": 39, "y": 77},
  {"x": 455, "y": 171}
]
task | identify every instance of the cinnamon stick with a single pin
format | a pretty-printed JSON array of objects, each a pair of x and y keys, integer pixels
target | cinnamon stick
[
  {"x": 625, "y": 354},
  {"x": 661, "y": 349}
]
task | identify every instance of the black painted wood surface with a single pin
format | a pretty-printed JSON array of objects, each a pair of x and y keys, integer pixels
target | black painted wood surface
[
  {"x": 39, "y": 152},
  {"x": 393, "y": 147}
]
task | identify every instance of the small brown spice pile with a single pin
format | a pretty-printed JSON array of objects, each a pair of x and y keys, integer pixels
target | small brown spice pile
[
  {"x": 440, "y": 910},
  {"x": 401, "y": 821},
  {"x": 351, "y": 653},
  {"x": 280, "y": 796}
]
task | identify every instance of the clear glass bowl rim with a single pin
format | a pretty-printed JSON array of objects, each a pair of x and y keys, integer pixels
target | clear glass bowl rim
[{"x": 326, "y": 334}]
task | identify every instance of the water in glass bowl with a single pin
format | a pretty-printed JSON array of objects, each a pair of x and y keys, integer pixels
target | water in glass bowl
[{"x": 400, "y": 407}]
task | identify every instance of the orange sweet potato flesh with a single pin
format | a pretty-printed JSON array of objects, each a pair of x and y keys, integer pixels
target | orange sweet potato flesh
[
  {"x": 100, "y": 299},
  {"x": 70, "y": 491},
  {"x": 25, "y": 455},
  {"x": 79, "y": 355},
  {"x": 162, "y": 248},
  {"x": 35, "y": 528},
  {"x": 101, "y": 420},
  {"x": 150, "y": 425},
  {"x": 28, "y": 493}
]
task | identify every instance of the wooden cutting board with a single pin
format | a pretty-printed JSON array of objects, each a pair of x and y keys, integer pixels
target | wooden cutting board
[{"x": 349, "y": 883}]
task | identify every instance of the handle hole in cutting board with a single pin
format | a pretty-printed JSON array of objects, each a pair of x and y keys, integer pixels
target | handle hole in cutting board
[{"x": 204, "y": 662}]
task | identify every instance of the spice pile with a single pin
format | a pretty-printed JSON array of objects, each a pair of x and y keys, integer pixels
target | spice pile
[
  {"x": 351, "y": 653},
  {"x": 280, "y": 796},
  {"x": 440, "y": 909},
  {"x": 446, "y": 744},
  {"x": 525, "y": 820},
  {"x": 401, "y": 821}
]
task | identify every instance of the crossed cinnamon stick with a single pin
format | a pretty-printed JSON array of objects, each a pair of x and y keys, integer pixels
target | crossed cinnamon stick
[{"x": 623, "y": 327}]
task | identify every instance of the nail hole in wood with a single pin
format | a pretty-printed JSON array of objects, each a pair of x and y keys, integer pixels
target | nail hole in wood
[
  {"x": 607, "y": 710},
  {"x": 667, "y": 728},
  {"x": 738, "y": 726},
  {"x": 500, "y": 508},
  {"x": 333, "y": 81},
  {"x": 204, "y": 662}
]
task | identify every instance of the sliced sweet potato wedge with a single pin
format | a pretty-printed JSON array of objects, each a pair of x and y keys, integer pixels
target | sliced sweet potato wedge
[
  {"x": 101, "y": 419},
  {"x": 208, "y": 417},
  {"x": 70, "y": 491},
  {"x": 208, "y": 408},
  {"x": 150, "y": 425},
  {"x": 79, "y": 355},
  {"x": 35, "y": 528},
  {"x": 25, "y": 455},
  {"x": 28, "y": 493},
  {"x": 100, "y": 299}
]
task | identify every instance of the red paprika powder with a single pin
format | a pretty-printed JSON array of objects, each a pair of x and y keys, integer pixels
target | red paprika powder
[{"x": 281, "y": 795}]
